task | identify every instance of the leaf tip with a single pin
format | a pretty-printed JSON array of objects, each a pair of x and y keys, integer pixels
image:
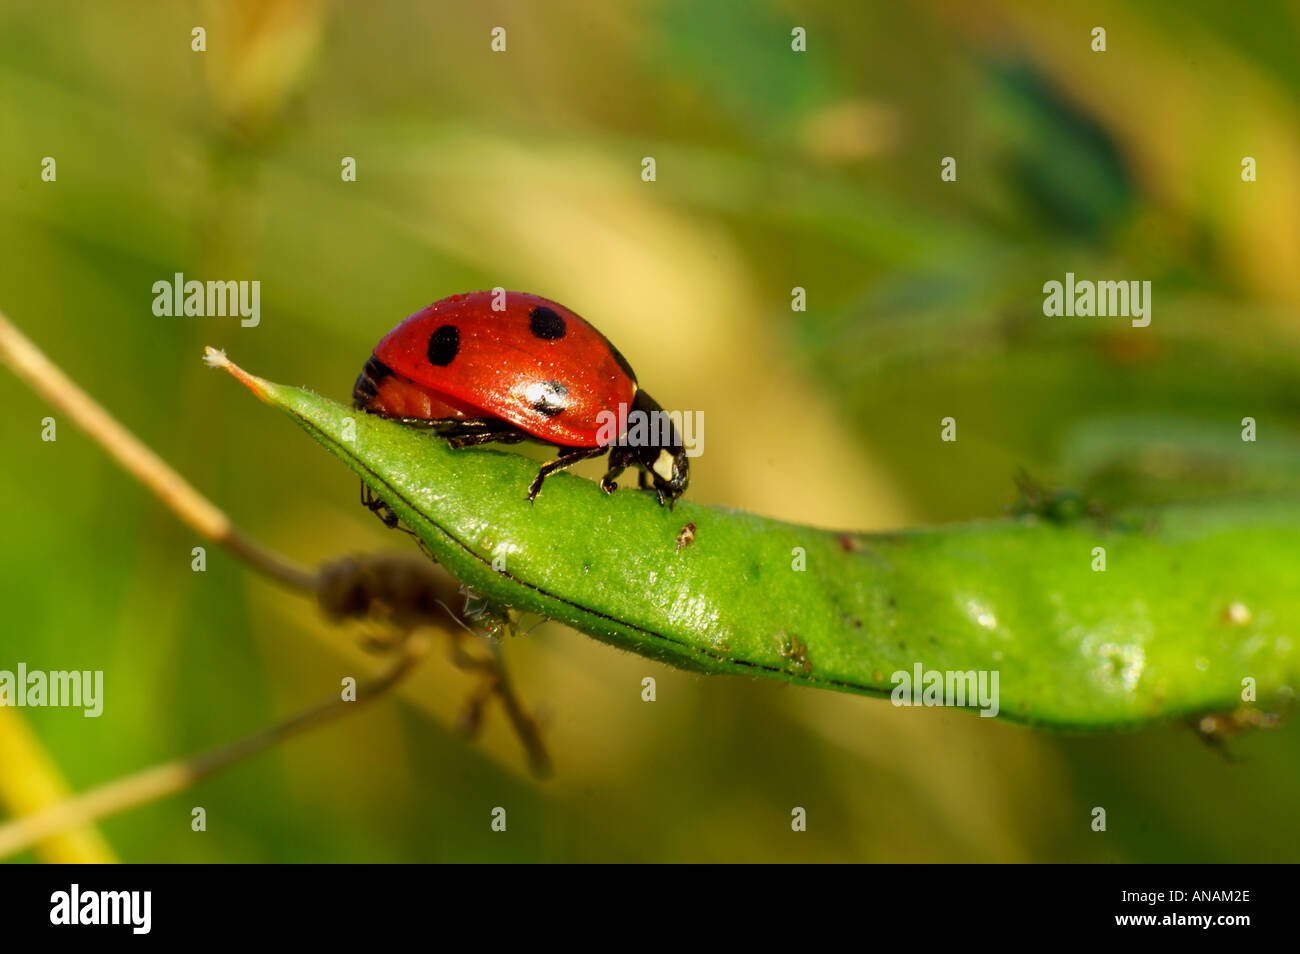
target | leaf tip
[{"x": 216, "y": 358}]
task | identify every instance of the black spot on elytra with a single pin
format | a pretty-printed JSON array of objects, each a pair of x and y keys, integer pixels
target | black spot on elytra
[
  {"x": 546, "y": 324},
  {"x": 443, "y": 345},
  {"x": 549, "y": 397}
]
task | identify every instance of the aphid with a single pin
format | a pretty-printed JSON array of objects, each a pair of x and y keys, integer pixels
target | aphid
[{"x": 533, "y": 371}]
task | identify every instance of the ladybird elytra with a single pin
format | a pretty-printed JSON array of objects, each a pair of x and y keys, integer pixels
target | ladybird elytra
[{"x": 527, "y": 369}]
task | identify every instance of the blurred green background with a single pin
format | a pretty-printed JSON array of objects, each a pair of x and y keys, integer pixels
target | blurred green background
[{"x": 522, "y": 169}]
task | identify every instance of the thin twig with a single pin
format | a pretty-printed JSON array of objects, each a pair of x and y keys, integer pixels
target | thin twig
[
  {"x": 162, "y": 780},
  {"x": 524, "y": 722},
  {"x": 497, "y": 682},
  {"x": 204, "y": 517},
  {"x": 30, "y": 781},
  {"x": 208, "y": 520}
]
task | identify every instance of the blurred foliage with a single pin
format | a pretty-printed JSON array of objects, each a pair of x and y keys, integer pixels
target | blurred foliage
[{"x": 523, "y": 170}]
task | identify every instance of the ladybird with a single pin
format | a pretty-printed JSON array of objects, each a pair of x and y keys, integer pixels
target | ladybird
[{"x": 533, "y": 370}]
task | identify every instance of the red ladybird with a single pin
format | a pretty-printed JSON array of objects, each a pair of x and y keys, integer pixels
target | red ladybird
[{"x": 532, "y": 371}]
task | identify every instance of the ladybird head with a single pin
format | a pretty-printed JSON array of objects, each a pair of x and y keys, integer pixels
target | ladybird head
[{"x": 663, "y": 457}]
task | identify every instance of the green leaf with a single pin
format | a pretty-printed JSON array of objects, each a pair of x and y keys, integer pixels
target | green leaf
[{"x": 1193, "y": 600}]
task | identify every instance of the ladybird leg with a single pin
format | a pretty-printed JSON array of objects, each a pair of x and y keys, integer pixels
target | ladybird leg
[
  {"x": 487, "y": 437},
  {"x": 418, "y": 423},
  {"x": 462, "y": 426},
  {"x": 562, "y": 462},
  {"x": 619, "y": 460},
  {"x": 609, "y": 483},
  {"x": 468, "y": 433},
  {"x": 378, "y": 507}
]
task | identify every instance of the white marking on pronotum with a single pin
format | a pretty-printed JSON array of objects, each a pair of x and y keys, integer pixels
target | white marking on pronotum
[{"x": 664, "y": 465}]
